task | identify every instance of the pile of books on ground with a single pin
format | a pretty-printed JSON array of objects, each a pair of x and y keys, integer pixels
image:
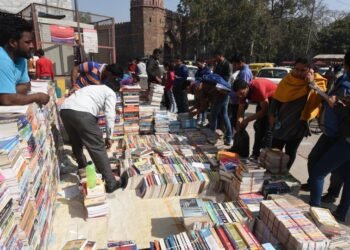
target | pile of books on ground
[
  {"x": 198, "y": 214},
  {"x": 291, "y": 227},
  {"x": 173, "y": 180},
  {"x": 28, "y": 174},
  {"x": 118, "y": 131},
  {"x": 80, "y": 244},
  {"x": 187, "y": 121},
  {"x": 95, "y": 199},
  {"x": 326, "y": 222},
  {"x": 146, "y": 119},
  {"x": 252, "y": 202},
  {"x": 248, "y": 178},
  {"x": 122, "y": 245},
  {"x": 174, "y": 123},
  {"x": 155, "y": 95},
  {"x": 226, "y": 236},
  {"x": 281, "y": 184},
  {"x": 101, "y": 120},
  {"x": 131, "y": 102},
  {"x": 161, "y": 122}
]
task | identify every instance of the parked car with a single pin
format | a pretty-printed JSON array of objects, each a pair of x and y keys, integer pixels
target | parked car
[{"x": 275, "y": 74}]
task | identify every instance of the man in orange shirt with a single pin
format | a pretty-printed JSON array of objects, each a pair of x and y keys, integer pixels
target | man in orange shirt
[{"x": 44, "y": 67}]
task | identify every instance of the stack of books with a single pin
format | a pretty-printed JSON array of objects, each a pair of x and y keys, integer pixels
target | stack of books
[
  {"x": 264, "y": 235},
  {"x": 227, "y": 236},
  {"x": 95, "y": 198},
  {"x": 198, "y": 214},
  {"x": 79, "y": 244},
  {"x": 194, "y": 214},
  {"x": 146, "y": 119},
  {"x": 161, "y": 122},
  {"x": 252, "y": 202},
  {"x": 119, "y": 119},
  {"x": 295, "y": 201},
  {"x": 326, "y": 222},
  {"x": 28, "y": 174},
  {"x": 174, "y": 123},
  {"x": 155, "y": 95},
  {"x": 122, "y": 245},
  {"x": 340, "y": 242},
  {"x": 187, "y": 121},
  {"x": 131, "y": 102},
  {"x": 281, "y": 184},
  {"x": 248, "y": 178},
  {"x": 291, "y": 227},
  {"x": 101, "y": 120}
]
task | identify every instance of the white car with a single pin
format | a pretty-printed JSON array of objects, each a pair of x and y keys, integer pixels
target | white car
[{"x": 274, "y": 74}]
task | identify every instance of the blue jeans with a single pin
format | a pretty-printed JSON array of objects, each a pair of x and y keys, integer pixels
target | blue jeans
[
  {"x": 336, "y": 157},
  {"x": 171, "y": 101},
  {"x": 201, "y": 117},
  {"x": 181, "y": 100},
  {"x": 220, "y": 107}
]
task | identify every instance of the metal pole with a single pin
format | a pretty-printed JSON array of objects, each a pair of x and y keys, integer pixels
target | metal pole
[
  {"x": 310, "y": 28},
  {"x": 77, "y": 19}
]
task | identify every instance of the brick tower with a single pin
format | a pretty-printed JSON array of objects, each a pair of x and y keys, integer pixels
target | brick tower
[{"x": 147, "y": 26}]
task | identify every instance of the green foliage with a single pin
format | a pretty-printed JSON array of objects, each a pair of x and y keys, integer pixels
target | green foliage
[{"x": 263, "y": 30}]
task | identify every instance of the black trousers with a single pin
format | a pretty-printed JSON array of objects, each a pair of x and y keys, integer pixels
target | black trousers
[
  {"x": 323, "y": 144},
  {"x": 83, "y": 130},
  {"x": 291, "y": 147}
]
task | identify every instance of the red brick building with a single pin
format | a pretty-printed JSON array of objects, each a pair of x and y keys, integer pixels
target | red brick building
[{"x": 151, "y": 26}]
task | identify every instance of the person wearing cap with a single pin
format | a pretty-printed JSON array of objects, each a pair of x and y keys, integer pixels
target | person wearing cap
[
  {"x": 93, "y": 73},
  {"x": 154, "y": 73},
  {"x": 79, "y": 116},
  {"x": 259, "y": 91}
]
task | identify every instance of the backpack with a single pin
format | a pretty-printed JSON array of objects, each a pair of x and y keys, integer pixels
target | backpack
[{"x": 241, "y": 143}]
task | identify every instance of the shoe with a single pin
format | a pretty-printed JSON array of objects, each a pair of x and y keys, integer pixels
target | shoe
[
  {"x": 229, "y": 143},
  {"x": 305, "y": 187},
  {"x": 205, "y": 123},
  {"x": 338, "y": 217},
  {"x": 328, "y": 198},
  {"x": 110, "y": 188}
]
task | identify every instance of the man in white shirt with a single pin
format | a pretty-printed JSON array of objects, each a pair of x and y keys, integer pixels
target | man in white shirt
[
  {"x": 141, "y": 67},
  {"x": 79, "y": 115}
]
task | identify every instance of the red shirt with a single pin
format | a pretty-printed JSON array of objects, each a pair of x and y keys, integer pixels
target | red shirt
[
  {"x": 44, "y": 67},
  {"x": 260, "y": 89},
  {"x": 170, "y": 80}
]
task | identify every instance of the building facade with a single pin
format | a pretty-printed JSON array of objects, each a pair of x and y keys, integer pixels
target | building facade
[{"x": 151, "y": 26}]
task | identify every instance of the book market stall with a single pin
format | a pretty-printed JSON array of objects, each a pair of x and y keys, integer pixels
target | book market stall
[{"x": 185, "y": 190}]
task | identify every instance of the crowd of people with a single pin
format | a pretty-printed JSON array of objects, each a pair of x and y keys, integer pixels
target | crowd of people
[{"x": 281, "y": 120}]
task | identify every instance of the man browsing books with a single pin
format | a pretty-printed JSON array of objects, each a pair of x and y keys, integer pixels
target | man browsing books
[
  {"x": 79, "y": 115},
  {"x": 258, "y": 91},
  {"x": 16, "y": 46}
]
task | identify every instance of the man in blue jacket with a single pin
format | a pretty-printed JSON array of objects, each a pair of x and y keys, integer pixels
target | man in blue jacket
[
  {"x": 180, "y": 95},
  {"x": 202, "y": 71}
]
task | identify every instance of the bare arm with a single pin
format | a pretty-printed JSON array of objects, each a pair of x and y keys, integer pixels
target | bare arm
[
  {"x": 74, "y": 75},
  {"x": 23, "y": 88},
  {"x": 263, "y": 111},
  {"x": 20, "y": 99}
]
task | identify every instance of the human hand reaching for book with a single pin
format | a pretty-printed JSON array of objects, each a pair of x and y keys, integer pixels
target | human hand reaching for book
[{"x": 108, "y": 143}]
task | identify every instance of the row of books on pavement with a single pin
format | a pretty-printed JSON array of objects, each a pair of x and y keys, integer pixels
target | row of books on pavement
[
  {"x": 29, "y": 172},
  {"x": 280, "y": 224},
  {"x": 165, "y": 165}
]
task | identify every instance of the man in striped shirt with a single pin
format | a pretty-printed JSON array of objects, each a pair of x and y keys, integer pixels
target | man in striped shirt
[{"x": 92, "y": 73}]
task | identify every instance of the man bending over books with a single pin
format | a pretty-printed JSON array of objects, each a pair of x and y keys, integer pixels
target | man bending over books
[
  {"x": 16, "y": 46},
  {"x": 79, "y": 116},
  {"x": 259, "y": 91}
]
